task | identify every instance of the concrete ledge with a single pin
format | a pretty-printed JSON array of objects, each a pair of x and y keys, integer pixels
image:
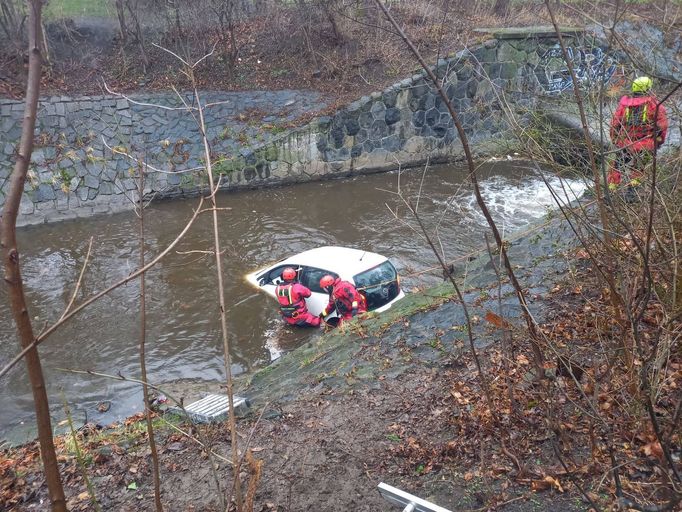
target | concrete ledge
[{"x": 529, "y": 32}]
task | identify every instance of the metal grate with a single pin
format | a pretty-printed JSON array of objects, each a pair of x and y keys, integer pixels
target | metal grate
[
  {"x": 213, "y": 408},
  {"x": 409, "y": 502}
]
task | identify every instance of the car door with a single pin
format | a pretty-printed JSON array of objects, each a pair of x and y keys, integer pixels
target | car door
[{"x": 310, "y": 278}]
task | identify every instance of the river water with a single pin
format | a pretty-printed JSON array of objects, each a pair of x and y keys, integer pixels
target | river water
[{"x": 262, "y": 226}]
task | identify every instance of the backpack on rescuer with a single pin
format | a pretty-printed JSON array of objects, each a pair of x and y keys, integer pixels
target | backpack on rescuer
[
  {"x": 290, "y": 303},
  {"x": 287, "y": 305}
]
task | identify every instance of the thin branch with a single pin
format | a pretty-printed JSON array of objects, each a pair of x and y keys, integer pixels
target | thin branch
[
  {"x": 116, "y": 151},
  {"x": 78, "y": 283},
  {"x": 139, "y": 103}
]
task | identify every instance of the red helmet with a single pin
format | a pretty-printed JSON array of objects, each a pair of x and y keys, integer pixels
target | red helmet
[
  {"x": 326, "y": 281},
  {"x": 288, "y": 274}
]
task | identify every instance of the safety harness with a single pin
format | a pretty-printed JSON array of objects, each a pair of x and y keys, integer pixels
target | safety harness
[{"x": 287, "y": 305}]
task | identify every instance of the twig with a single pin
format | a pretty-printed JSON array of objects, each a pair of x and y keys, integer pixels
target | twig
[
  {"x": 116, "y": 151},
  {"x": 80, "y": 279}
]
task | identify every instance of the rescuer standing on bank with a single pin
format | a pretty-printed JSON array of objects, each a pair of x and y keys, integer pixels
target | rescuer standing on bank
[
  {"x": 638, "y": 130},
  {"x": 291, "y": 297},
  {"x": 343, "y": 298}
]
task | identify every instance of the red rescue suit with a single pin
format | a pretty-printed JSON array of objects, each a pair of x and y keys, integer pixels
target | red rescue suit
[
  {"x": 291, "y": 297},
  {"x": 634, "y": 131},
  {"x": 346, "y": 300}
]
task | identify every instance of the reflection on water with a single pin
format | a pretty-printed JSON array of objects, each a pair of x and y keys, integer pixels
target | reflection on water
[{"x": 263, "y": 226}]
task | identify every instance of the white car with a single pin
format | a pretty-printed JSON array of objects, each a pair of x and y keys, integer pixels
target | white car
[{"x": 372, "y": 274}]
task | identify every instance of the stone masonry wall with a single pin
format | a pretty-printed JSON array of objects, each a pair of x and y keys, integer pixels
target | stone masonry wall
[{"x": 73, "y": 174}]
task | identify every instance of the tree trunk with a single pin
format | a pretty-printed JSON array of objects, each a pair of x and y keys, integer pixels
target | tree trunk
[
  {"x": 123, "y": 29},
  {"x": 501, "y": 7},
  {"x": 143, "y": 360},
  {"x": 10, "y": 257}
]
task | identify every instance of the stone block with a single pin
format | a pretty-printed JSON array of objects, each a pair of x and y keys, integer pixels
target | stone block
[
  {"x": 485, "y": 55},
  {"x": 368, "y": 146},
  {"x": 44, "y": 192},
  {"x": 80, "y": 169},
  {"x": 427, "y": 102},
  {"x": 465, "y": 72},
  {"x": 365, "y": 120},
  {"x": 392, "y": 115},
  {"x": 378, "y": 110},
  {"x": 439, "y": 130},
  {"x": 109, "y": 174},
  {"x": 336, "y": 136},
  {"x": 65, "y": 163},
  {"x": 352, "y": 126},
  {"x": 414, "y": 103},
  {"x": 92, "y": 193},
  {"x": 419, "y": 118},
  {"x": 26, "y": 207},
  {"x": 93, "y": 169},
  {"x": 322, "y": 143},
  {"x": 390, "y": 97},
  {"x": 91, "y": 181},
  {"x": 432, "y": 117},
  {"x": 45, "y": 206},
  {"x": 378, "y": 130},
  {"x": 62, "y": 201},
  {"x": 508, "y": 70},
  {"x": 405, "y": 83},
  {"x": 421, "y": 89},
  {"x": 392, "y": 143}
]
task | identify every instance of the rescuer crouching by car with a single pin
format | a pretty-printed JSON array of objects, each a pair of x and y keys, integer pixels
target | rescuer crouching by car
[
  {"x": 291, "y": 297},
  {"x": 343, "y": 298}
]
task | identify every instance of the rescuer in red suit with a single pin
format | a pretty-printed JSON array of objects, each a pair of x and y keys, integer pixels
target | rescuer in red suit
[
  {"x": 637, "y": 130},
  {"x": 291, "y": 297},
  {"x": 343, "y": 298}
]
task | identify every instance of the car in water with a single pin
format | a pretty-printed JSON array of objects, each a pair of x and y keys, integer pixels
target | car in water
[{"x": 372, "y": 274}]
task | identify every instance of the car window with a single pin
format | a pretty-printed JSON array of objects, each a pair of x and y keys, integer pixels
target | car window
[
  {"x": 273, "y": 276},
  {"x": 310, "y": 278},
  {"x": 379, "y": 285}
]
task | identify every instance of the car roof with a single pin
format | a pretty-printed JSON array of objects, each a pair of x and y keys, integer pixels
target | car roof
[{"x": 345, "y": 261}]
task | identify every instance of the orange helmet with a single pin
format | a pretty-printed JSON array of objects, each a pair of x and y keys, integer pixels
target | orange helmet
[
  {"x": 326, "y": 281},
  {"x": 288, "y": 274}
]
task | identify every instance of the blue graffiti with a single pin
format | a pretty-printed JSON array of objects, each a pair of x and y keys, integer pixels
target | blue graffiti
[{"x": 591, "y": 66}]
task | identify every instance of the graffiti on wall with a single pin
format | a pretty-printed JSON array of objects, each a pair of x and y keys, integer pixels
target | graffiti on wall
[{"x": 592, "y": 67}]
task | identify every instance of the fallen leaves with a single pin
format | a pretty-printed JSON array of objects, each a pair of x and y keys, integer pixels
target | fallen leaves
[{"x": 548, "y": 482}]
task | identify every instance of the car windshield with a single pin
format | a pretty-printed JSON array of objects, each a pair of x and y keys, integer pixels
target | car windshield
[{"x": 379, "y": 285}]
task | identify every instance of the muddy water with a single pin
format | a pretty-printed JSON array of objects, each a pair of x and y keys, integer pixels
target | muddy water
[{"x": 183, "y": 328}]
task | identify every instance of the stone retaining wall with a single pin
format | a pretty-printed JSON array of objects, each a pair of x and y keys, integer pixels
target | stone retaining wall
[{"x": 74, "y": 174}]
